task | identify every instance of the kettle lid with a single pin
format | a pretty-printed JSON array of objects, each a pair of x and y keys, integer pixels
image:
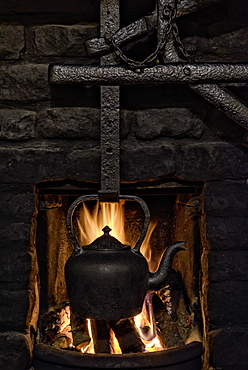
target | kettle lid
[{"x": 106, "y": 242}]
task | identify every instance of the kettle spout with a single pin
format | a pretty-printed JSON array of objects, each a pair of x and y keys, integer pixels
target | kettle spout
[{"x": 158, "y": 279}]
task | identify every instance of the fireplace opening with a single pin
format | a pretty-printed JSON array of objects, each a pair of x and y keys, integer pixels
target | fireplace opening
[{"x": 171, "y": 317}]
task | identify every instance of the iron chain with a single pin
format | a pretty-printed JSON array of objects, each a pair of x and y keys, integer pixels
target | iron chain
[{"x": 169, "y": 14}]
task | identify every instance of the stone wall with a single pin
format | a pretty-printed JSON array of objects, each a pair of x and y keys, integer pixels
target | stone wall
[{"x": 52, "y": 132}]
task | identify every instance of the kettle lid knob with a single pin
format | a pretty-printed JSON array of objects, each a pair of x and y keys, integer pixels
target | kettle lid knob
[
  {"x": 106, "y": 230},
  {"x": 106, "y": 242}
]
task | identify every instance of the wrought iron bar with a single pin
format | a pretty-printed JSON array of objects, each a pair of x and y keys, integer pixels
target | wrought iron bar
[
  {"x": 110, "y": 112},
  {"x": 189, "y": 6},
  {"x": 103, "y": 45},
  {"x": 225, "y": 101},
  {"x": 187, "y": 73}
]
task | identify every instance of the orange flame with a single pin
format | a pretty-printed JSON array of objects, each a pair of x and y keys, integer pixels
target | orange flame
[
  {"x": 114, "y": 344},
  {"x": 90, "y": 225}
]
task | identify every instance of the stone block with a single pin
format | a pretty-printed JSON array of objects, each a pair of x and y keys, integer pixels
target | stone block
[
  {"x": 70, "y": 123},
  {"x": 205, "y": 161},
  {"x": 14, "y": 269},
  {"x": 128, "y": 119},
  {"x": 14, "y": 233},
  {"x": 229, "y": 233},
  {"x": 228, "y": 265},
  {"x": 228, "y": 348},
  {"x": 26, "y": 82},
  {"x": 14, "y": 309},
  {"x": 15, "y": 350},
  {"x": 84, "y": 164},
  {"x": 227, "y": 304},
  {"x": 18, "y": 207},
  {"x": 170, "y": 122},
  {"x": 17, "y": 124},
  {"x": 148, "y": 162},
  {"x": 64, "y": 40},
  {"x": 228, "y": 47},
  {"x": 226, "y": 198},
  {"x": 77, "y": 123},
  {"x": 30, "y": 165},
  {"x": 12, "y": 41},
  {"x": 87, "y": 10}
]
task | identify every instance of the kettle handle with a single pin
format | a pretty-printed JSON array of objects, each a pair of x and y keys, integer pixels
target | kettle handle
[
  {"x": 83, "y": 198},
  {"x": 146, "y": 222}
]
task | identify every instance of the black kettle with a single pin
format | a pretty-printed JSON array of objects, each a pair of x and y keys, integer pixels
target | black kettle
[{"x": 108, "y": 280}]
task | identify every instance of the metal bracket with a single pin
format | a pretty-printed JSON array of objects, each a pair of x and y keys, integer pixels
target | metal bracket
[
  {"x": 104, "y": 45},
  {"x": 201, "y": 77},
  {"x": 217, "y": 95},
  {"x": 110, "y": 112}
]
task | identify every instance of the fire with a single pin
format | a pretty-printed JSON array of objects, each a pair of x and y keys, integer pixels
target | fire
[
  {"x": 91, "y": 223},
  {"x": 90, "y": 347},
  {"x": 114, "y": 344},
  {"x": 146, "y": 325}
]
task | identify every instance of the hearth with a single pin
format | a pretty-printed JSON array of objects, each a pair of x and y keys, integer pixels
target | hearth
[{"x": 176, "y": 315}]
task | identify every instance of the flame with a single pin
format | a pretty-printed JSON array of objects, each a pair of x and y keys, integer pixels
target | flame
[
  {"x": 146, "y": 249},
  {"x": 114, "y": 344},
  {"x": 90, "y": 347},
  {"x": 91, "y": 223},
  {"x": 146, "y": 326}
]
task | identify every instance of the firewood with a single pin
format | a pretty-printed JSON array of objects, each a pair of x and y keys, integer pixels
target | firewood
[
  {"x": 80, "y": 333},
  {"x": 54, "y": 322},
  {"x": 61, "y": 341},
  {"x": 168, "y": 326},
  {"x": 101, "y": 336},
  {"x": 127, "y": 335}
]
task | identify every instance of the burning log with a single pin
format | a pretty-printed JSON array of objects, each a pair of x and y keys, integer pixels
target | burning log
[
  {"x": 80, "y": 333},
  {"x": 171, "y": 312},
  {"x": 50, "y": 324},
  {"x": 127, "y": 335},
  {"x": 61, "y": 341},
  {"x": 167, "y": 326},
  {"x": 100, "y": 335},
  {"x": 55, "y": 326}
]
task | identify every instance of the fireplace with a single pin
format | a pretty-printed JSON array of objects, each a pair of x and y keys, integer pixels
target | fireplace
[
  {"x": 174, "y": 144},
  {"x": 175, "y": 214}
]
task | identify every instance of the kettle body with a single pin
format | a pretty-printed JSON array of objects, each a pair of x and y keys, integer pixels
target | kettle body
[
  {"x": 106, "y": 284},
  {"x": 107, "y": 280}
]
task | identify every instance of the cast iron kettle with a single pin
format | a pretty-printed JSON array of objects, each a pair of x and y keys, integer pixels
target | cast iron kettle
[{"x": 108, "y": 280}]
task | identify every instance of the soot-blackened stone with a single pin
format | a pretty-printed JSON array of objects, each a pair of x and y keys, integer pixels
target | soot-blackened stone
[
  {"x": 228, "y": 265},
  {"x": 229, "y": 350},
  {"x": 12, "y": 41},
  {"x": 14, "y": 307},
  {"x": 226, "y": 198},
  {"x": 15, "y": 350},
  {"x": 227, "y": 233},
  {"x": 70, "y": 123},
  {"x": 170, "y": 122},
  {"x": 204, "y": 161},
  {"x": 18, "y": 124},
  {"x": 26, "y": 82},
  {"x": 64, "y": 40},
  {"x": 227, "y": 304}
]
